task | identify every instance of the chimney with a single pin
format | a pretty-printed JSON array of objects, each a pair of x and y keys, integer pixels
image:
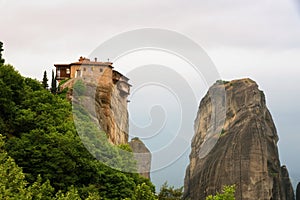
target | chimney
[{"x": 95, "y": 59}]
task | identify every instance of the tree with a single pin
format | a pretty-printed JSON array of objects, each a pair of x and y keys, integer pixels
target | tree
[
  {"x": 170, "y": 193},
  {"x": 227, "y": 194},
  {"x": 11, "y": 94},
  {"x": 1, "y": 49},
  {"x": 45, "y": 80},
  {"x": 53, "y": 83},
  {"x": 143, "y": 191},
  {"x": 14, "y": 186}
]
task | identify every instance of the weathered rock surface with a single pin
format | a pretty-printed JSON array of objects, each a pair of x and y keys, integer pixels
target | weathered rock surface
[
  {"x": 286, "y": 183},
  {"x": 112, "y": 113},
  {"x": 246, "y": 152},
  {"x": 104, "y": 102},
  {"x": 107, "y": 105},
  {"x": 143, "y": 157}
]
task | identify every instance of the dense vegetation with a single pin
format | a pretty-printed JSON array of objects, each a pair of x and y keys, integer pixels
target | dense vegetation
[{"x": 42, "y": 146}]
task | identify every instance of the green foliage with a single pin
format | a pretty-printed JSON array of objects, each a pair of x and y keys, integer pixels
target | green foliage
[
  {"x": 33, "y": 84},
  {"x": 143, "y": 191},
  {"x": 14, "y": 186},
  {"x": 227, "y": 194},
  {"x": 45, "y": 80},
  {"x": 1, "y": 49},
  {"x": 41, "y": 191},
  {"x": 53, "y": 84},
  {"x": 221, "y": 82},
  {"x": 11, "y": 94},
  {"x": 125, "y": 147},
  {"x": 79, "y": 88},
  {"x": 97, "y": 144},
  {"x": 170, "y": 193},
  {"x": 62, "y": 82},
  {"x": 43, "y": 140},
  {"x": 71, "y": 194}
]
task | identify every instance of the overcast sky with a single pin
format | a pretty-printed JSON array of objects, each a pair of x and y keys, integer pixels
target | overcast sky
[{"x": 259, "y": 39}]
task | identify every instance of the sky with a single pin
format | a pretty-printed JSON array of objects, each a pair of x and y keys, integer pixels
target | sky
[{"x": 259, "y": 39}]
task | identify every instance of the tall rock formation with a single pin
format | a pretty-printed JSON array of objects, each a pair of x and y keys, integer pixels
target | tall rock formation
[
  {"x": 103, "y": 92},
  {"x": 143, "y": 157},
  {"x": 105, "y": 100},
  {"x": 246, "y": 151}
]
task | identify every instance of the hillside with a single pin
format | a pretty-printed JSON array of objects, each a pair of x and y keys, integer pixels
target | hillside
[{"x": 41, "y": 138}]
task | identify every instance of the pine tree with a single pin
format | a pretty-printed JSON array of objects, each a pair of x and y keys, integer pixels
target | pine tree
[
  {"x": 1, "y": 49},
  {"x": 53, "y": 84},
  {"x": 45, "y": 81}
]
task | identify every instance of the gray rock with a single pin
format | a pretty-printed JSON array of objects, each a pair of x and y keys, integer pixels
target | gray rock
[
  {"x": 143, "y": 157},
  {"x": 245, "y": 153}
]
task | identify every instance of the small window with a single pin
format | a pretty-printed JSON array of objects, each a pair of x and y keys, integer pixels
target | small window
[
  {"x": 84, "y": 69},
  {"x": 68, "y": 71},
  {"x": 78, "y": 73},
  {"x": 101, "y": 70}
]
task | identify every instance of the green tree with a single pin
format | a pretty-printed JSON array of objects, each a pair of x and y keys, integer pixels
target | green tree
[
  {"x": 43, "y": 141},
  {"x": 11, "y": 94},
  {"x": 45, "y": 80},
  {"x": 33, "y": 84},
  {"x": 14, "y": 186},
  {"x": 41, "y": 191},
  {"x": 141, "y": 192},
  {"x": 1, "y": 49},
  {"x": 53, "y": 83},
  {"x": 227, "y": 194},
  {"x": 169, "y": 192},
  {"x": 71, "y": 194}
]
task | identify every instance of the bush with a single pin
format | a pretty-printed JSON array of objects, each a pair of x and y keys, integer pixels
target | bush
[{"x": 227, "y": 194}]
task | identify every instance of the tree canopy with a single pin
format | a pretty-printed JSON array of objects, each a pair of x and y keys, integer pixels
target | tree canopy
[
  {"x": 48, "y": 156},
  {"x": 53, "y": 83},
  {"x": 170, "y": 193},
  {"x": 45, "y": 80}
]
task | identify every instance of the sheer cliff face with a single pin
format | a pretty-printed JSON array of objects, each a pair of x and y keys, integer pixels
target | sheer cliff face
[
  {"x": 246, "y": 152},
  {"x": 112, "y": 113},
  {"x": 106, "y": 104}
]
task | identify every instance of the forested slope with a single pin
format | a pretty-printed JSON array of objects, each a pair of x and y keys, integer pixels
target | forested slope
[{"x": 40, "y": 137}]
